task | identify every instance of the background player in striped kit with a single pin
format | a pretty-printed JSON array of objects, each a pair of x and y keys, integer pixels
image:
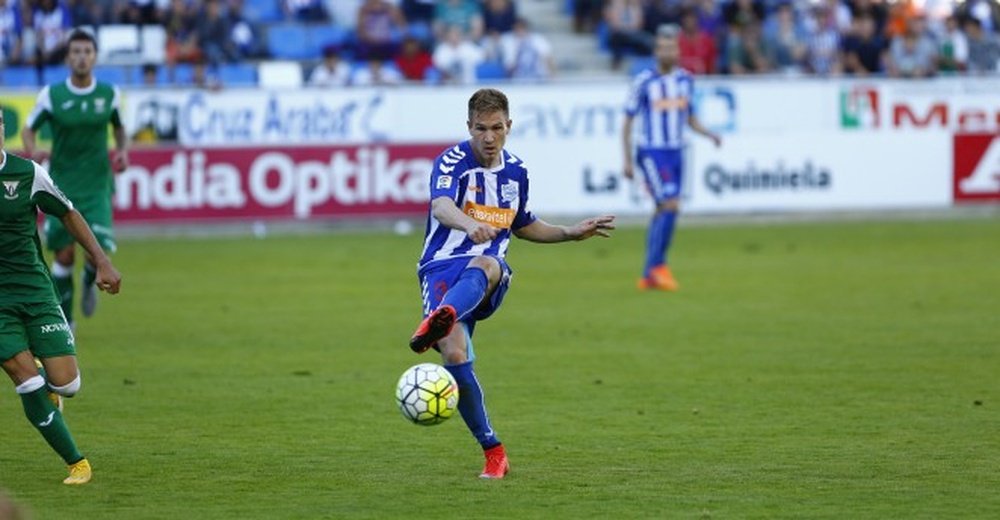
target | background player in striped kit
[
  {"x": 479, "y": 198},
  {"x": 662, "y": 99}
]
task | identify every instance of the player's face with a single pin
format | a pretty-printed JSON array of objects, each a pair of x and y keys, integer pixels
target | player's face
[
  {"x": 489, "y": 133},
  {"x": 81, "y": 57},
  {"x": 667, "y": 51}
]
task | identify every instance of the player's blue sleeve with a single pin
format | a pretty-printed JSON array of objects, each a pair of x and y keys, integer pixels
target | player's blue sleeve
[
  {"x": 444, "y": 176},
  {"x": 524, "y": 215},
  {"x": 690, "y": 105}
]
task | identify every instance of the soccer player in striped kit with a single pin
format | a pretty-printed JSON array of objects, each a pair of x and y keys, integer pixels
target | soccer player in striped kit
[
  {"x": 662, "y": 99},
  {"x": 479, "y": 198}
]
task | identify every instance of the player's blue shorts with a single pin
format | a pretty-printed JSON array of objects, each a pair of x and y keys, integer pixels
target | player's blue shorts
[
  {"x": 438, "y": 276},
  {"x": 662, "y": 169}
]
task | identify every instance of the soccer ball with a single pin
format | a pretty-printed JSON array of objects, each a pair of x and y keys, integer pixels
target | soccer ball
[{"x": 427, "y": 394}]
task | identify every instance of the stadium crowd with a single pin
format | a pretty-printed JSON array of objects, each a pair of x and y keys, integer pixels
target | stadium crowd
[{"x": 363, "y": 42}]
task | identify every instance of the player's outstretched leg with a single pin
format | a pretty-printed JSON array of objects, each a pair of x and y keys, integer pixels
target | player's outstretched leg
[
  {"x": 460, "y": 300},
  {"x": 472, "y": 406},
  {"x": 88, "y": 290},
  {"x": 62, "y": 278},
  {"x": 48, "y": 420}
]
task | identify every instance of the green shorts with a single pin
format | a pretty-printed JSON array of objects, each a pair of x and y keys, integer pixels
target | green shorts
[
  {"x": 97, "y": 212},
  {"x": 39, "y": 327}
]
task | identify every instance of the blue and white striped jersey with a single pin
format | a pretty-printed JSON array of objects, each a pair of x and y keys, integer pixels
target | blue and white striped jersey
[
  {"x": 663, "y": 102},
  {"x": 497, "y": 196}
]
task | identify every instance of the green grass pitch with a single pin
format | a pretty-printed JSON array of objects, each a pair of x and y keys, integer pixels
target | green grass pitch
[{"x": 821, "y": 370}]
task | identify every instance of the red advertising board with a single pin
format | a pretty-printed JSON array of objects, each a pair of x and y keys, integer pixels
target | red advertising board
[
  {"x": 227, "y": 184},
  {"x": 977, "y": 167}
]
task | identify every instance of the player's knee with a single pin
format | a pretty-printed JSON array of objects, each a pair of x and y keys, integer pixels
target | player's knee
[
  {"x": 489, "y": 265},
  {"x": 68, "y": 390},
  {"x": 30, "y": 385}
]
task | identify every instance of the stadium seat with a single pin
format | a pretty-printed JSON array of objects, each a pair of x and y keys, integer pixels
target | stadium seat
[
  {"x": 54, "y": 74},
  {"x": 118, "y": 45},
  {"x": 322, "y": 35},
  {"x": 639, "y": 64},
  {"x": 154, "y": 44},
  {"x": 490, "y": 71},
  {"x": 237, "y": 74},
  {"x": 183, "y": 74},
  {"x": 115, "y": 74},
  {"x": 19, "y": 77},
  {"x": 290, "y": 42},
  {"x": 263, "y": 11},
  {"x": 279, "y": 74}
]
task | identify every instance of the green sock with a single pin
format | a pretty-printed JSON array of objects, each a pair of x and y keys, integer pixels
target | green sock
[
  {"x": 64, "y": 291},
  {"x": 49, "y": 422},
  {"x": 89, "y": 274}
]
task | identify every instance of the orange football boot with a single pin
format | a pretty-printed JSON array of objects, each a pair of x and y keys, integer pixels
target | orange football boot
[{"x": 434, "y": 327}]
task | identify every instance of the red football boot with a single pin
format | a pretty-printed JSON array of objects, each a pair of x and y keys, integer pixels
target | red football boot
[
  {"x": 434, "y": 327},
  {"x": 497, "y": 464}
]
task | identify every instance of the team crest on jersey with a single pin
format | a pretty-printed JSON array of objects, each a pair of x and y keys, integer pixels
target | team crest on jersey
[
  {"x": 99, "y": 105},
  {"x": 10, "y": 189},
  {"x": 509, "y": 191}
]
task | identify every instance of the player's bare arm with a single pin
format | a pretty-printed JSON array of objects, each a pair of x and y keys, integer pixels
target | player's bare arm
[
  {"x": 543, "y": 232},
  {"x": 628, "y": 170},
  {"x": 120, "y": 162},
  {"x": 696, "y": 125},
  {"x": 108, "y": 278},
  {"x": 447, "y": 213},
  {"x": 28, "y": 137}
]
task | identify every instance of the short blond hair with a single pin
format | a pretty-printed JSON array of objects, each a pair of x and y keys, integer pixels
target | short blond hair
[{"x": 487, "y": 100}]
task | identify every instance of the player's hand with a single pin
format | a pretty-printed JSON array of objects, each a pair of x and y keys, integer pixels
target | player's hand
[
  {"x": 481, "y": 232},
  {"x": 119, "y": 160},
  {"x": 628, "y": 170},
  {"x": 593, "y": 226},
  {"x": 40, "y": 156},
  {"x": 109, "y": 279},
  {"x": 716, "y": 140}
]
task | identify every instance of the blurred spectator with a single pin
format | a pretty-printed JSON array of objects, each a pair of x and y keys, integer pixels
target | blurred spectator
[
  {"x": 864, "y": 49},
  {"x": 344, "y": 12},
  {"x": 150, "y": 75},
  {"x": 463, "y": 14},
  {"x": 698, "y": 53},
  {"x": 380, "y": 25},
  {"x": 457, "y": 58},
  {"x": 413, "y": 60},
  {"x": 245, "y": 36},
  {"x": 841, "y": 15},
  {"x": 418, "y": 11},
  {"x": 710, "y": 16},
  {"x": 984, "y": 49},
  {"x": 499, "y": 16},
  {"x": 986, "y": 11},
  {"x": 625, "y": 24},
  {"x": 332, "y": 71},
  {"x": 11, "y": 31},
  {"x": 139, "y": 12},
  {"x": 743, "y": 12},
  {"x": 745, "y": 50},
  {"x": 52, "y": 24},
  {"x": 203, "y": 78},
  {"x": 586, "y": 15},
  {"x": 900, "y": 13},
  {"x": 785, "y": 39},
  {"x": 914, "y": 54},
  {"x": 874, "y": 8},
  {"x": 526, "y": 55},
  {"x": 376, "y": 73},
  {"x": 823, "y": 46},
  {"x": 215, "y": 35},
  {"x": 305, "y": 10},
  {"x": 954, "y": 51},
  {"x": 180, "y": 21},
  {"x": 660, "y": 12},
  {"x": 82, "y": 12}
]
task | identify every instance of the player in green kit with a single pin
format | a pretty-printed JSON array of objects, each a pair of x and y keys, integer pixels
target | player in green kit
[
  {"x": 31, "y": 323},
  {"x": 78, "y": 111}
]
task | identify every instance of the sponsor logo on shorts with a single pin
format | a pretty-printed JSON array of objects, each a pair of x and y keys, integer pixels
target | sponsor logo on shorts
[{"x": 55, "y": 327}]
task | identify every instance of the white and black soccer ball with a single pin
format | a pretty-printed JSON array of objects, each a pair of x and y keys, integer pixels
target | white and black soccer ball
[{"x": 427, "y": 394}]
